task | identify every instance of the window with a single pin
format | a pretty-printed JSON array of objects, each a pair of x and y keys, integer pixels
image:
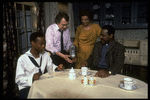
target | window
[{"x": 26, "y": 23}]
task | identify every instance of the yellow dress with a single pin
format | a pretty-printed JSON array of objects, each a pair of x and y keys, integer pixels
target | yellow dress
[{"x": 84, "y": 42}]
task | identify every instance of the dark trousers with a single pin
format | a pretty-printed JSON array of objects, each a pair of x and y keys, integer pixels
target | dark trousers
[
  {"x": 57, "y": 60},
  {"x": 23, "y": 93}
]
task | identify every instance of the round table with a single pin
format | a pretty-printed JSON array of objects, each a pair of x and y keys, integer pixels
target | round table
[{"x": 60, "y": 86}]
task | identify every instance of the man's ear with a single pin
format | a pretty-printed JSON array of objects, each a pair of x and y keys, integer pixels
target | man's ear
[
  {"x": 111, "y": 35},
  {"x": 32, "y": 43}
]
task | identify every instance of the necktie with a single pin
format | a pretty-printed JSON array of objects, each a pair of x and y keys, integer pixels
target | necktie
[
  {"x": 62, "y": 46},
  {"x": 35, "y": 63}
]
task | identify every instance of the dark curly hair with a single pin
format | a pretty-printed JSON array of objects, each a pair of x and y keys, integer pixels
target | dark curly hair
[
  {"x": 87, "y": 13},
  {"x": 34, "y": 36},
  {"x": 110, "y": 29}
]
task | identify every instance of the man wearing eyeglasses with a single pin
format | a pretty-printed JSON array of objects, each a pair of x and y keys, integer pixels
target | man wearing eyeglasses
[{"x": 58, "y": 40}]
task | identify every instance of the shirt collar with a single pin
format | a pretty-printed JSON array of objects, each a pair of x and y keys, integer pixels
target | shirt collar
[
  {"x": 109, "y": 44},
  {"x": 56, "y": 26},
  {"x": 28, "y": 53}
]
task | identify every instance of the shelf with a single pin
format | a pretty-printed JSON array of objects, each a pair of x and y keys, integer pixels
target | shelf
[
  {"x": 127, "y": 47},
  {"x": 122, "y": 15},
  {"x": 126, "y": 17},
  {"x": 96, "y": 19},
  {"x": 96, "y": 10},
  {"x": 109, "y": 18}
]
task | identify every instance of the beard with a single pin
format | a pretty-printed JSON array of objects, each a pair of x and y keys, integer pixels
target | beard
[{"x": 103, "y": 42}]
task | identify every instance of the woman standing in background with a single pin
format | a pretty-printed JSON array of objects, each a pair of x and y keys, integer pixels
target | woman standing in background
[{"x": 85, "y": 37}]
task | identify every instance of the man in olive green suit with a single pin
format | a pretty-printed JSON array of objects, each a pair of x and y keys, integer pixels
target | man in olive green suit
[{"x": 107, "y": 56}]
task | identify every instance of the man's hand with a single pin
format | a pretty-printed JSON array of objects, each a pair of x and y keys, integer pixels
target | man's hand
[
  {"x": 102, "y": 73},
  {"x": 36, "y": 76},
  {"x": 66, "y": 57},
  {"x": 60, "y": 67}
]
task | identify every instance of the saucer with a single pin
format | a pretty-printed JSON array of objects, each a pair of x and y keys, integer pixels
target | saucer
[
  {"x": 134, "y": 87},
  {"x": 59, "y": 71},
  {"x": 80, "y": 73}
]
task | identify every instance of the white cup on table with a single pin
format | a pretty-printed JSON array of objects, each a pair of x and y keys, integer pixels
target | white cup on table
[
  {"x": 128, "y": 83},
  {"x": 84, "y": 70}
]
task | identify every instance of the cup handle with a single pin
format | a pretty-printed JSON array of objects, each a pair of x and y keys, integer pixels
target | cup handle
[
  {"x": 134, "y": 82},
  {"x": 88, "y": 69}
]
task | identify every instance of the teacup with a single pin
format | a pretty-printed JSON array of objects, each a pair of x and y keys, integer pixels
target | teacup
[
  {"x": 128, "y": 83},
  {"x": 84, "y": 70}
]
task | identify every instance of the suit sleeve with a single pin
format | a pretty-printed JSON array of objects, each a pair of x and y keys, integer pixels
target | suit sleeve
[{"x": 119, "y": 61}]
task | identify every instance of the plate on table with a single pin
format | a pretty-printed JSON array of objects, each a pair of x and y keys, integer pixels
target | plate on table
[
  {"x": 88, "y": 73},
  {"x": 59, "y": 71},
  {"x": 134, "y": 87}
]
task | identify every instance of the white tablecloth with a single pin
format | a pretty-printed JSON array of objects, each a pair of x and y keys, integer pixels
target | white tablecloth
[{"x": 60, "y": 86}]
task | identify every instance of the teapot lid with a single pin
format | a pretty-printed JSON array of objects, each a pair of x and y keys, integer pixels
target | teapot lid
[{"x": 72, "y": 70}]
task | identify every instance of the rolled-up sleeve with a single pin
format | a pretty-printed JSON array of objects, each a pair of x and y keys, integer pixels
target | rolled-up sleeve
[
  {"x": 50, "y": 64},
  {"x": 49, "y": 41}
]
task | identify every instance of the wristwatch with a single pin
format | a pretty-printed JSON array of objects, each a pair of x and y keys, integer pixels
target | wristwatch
[{"x": 110, "y": 72}]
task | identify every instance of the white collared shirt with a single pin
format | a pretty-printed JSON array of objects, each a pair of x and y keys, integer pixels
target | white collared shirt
[{"x": 26, "y": 69}]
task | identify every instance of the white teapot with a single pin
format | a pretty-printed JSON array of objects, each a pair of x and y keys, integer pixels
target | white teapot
[{"x": 72, "y": 74}]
